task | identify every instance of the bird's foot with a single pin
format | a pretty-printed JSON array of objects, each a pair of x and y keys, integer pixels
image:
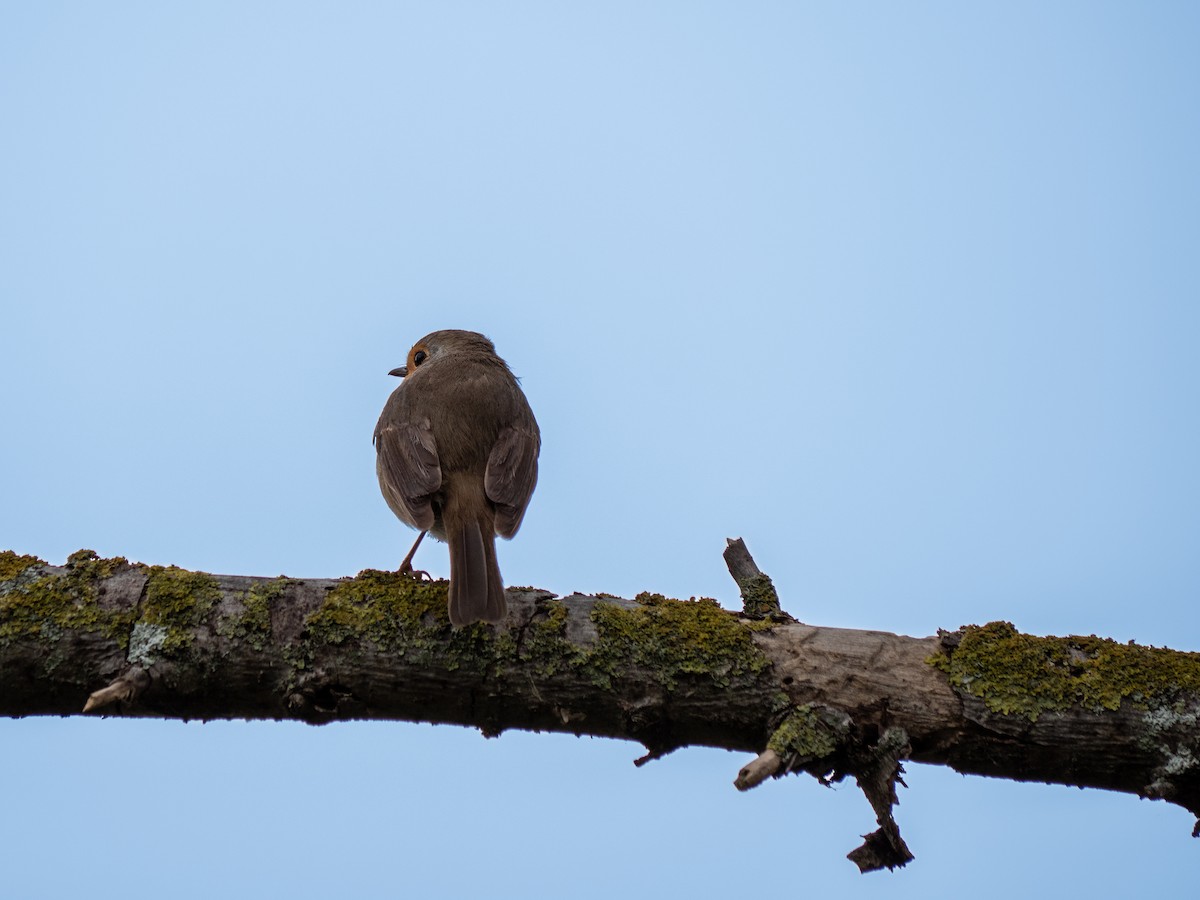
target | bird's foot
[
  {"x": 406, "y": 567},
  {"x": 414, "y": 574}
]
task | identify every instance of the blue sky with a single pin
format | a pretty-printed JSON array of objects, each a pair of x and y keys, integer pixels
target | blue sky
[{"x": 903, "y": 294}]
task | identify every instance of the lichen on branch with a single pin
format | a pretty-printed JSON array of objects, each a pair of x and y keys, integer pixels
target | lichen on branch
[{"x": 1025, "y": 675}]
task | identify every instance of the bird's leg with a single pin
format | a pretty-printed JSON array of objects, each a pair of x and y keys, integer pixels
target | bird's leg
[{"x": 406, "y": 566}]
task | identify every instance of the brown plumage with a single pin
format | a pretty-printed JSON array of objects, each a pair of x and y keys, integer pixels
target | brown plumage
[{"x": 456, "y": 454}]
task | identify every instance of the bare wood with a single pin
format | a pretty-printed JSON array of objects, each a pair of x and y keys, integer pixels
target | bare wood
[
  {"x": 832, "y": 702},
  {"x": 741, "y": 565},
  {"x": 124, "y": 690},
  {"x": 766, "y": 765}
]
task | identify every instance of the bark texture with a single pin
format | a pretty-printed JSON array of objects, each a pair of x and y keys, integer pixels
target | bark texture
[{"x": 138, "y": 640}]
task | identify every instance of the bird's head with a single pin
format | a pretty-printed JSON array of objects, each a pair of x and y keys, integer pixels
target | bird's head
[{"x": 442, "y": 343}]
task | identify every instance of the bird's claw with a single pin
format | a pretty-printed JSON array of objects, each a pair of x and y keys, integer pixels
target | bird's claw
[{"x": 415, "y": 574}]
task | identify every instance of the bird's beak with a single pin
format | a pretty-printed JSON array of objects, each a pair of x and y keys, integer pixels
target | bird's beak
[{"x": 400, "y": 372}]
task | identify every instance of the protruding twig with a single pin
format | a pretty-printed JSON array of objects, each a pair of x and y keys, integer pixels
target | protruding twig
[
  {"x": 758, "y": 770},
  {"x": 759, "y": 599},
  {"x": 124, "y": 689},
  {"x": 652, "y": 755},
  {"x": 806, "y": 734},
  {"x": 739, "y": 561}
]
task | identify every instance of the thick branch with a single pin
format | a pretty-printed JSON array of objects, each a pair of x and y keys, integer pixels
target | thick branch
[{"x": 154, "y": 641}]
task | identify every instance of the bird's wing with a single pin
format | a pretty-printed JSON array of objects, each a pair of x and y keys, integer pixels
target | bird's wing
[
  {"x": 511, "y": 476},
  {"x": 409, "y": 471}
]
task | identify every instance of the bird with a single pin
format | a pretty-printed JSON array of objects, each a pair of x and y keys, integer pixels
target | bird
[{"x": 457, "y": 456}]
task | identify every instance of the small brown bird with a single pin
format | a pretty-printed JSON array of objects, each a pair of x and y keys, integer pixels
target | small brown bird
[{"x": 456, "y": 454}]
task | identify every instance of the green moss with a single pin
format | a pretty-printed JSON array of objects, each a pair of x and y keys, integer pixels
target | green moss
[
  {"x": 89, "y": 564},
  {"x": 1019, "y": 674},
  {"x": 759, "y": 597},
  {"x": 255, "y": 622},
  {"x": 805, "y": 735},
  {"x": 49, "y": 604},
  {"x": 41, "y": 605},
  {"x": 179, "y": 601},
  {"x": 399, "y": 614},
  {"x": 669, "y": 639},
  {"x": 672, "y": 639},
  {"x": 80, "y": 557},
  {"x": 253, "y": 626},
  {"x": 545, "y": 640},
  {"x": 12, "y": 564},
  {"x": 381, "y": 607}
]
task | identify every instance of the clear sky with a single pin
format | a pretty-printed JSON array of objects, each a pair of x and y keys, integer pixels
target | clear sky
[{"x": 906, "y": 295}]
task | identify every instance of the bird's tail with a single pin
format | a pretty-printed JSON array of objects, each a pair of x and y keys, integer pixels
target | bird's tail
[{"x": 476, "y": 590}]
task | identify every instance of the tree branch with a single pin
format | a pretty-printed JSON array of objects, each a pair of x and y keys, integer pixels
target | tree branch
[{"x": 136, "y": 640}]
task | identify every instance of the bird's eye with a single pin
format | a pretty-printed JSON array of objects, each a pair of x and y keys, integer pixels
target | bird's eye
[{"x": 419, "y": 357}]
